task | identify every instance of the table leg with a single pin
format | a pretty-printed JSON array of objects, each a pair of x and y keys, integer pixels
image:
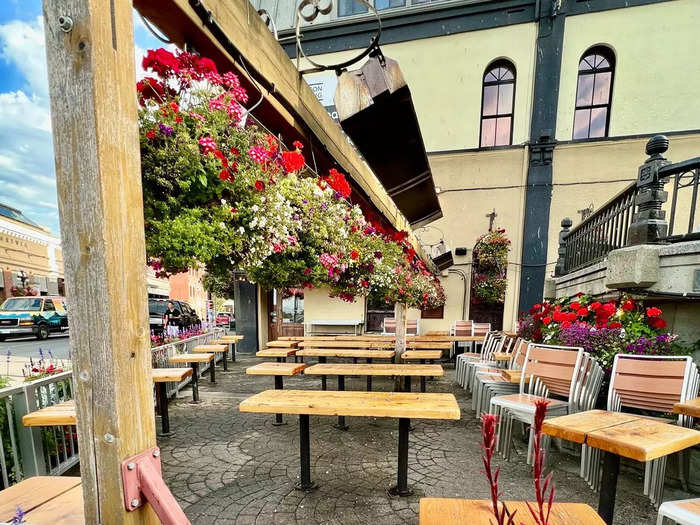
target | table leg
[
  {"x": 162, "y": 394},
  {"x": 407, "y": 384},
  {"x": 195, "y": 383},
  {"x": 422, "y": 378},
  {"x": 608, "y": 486},
  {"x": 278, "y": 386},
  {"x": 279, "y": 359},
  {"x": 401, "y": 487},
  {"x": 369, "y": 377},
  {"x": 340, "y": 425},
  {"x": 225, "y": 355},
  {"x": 212, "y": 371},
  {"x": 322, "y": 359},
  {"x": 233, "y": 352},
  {"x": 305, "y": 482}
]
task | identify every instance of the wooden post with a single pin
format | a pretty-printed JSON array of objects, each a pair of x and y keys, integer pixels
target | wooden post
[
  {"x": 400, "y": 348},
  {"x": 90, "y": 53},
  {"x": 278, "y": 311}
]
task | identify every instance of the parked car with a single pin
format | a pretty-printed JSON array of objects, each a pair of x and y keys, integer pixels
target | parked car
[
  {"x": 158, "y": 307},
  {"x": 38, "y": 316},
  {"x": 223, "y": 319}
]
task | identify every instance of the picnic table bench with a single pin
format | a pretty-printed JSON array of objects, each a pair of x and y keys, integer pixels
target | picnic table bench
[
  {"x": 422, "y": 355},
  {"x": 279, "y": 370},
  {"x": 194, "y": 360},
  {"x": 429, "y": 345},
  {"x": 619, "y": 434},
  {"x": 282, "y": 344},
  {"x": 349, "y": 353},
  {"x": 443, "y": 511},
  {"x": 281, "y": 354},
  {"x": 64, "y": 413},
  {"x": 347, "y": 344},
  {"x": 402, "y": 405},
  {"x": 57, "y": 500}
]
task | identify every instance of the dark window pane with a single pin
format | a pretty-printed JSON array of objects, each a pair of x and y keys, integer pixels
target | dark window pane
[
  {"x": 581, "y": 119},
  {"x": 503, "y": 131},
  {"x": 488, "y": 132},
  {"x": 505, "y": 98},
  {"x": 598, "y": 120},
  {"x": 490, "y": 100},
  {"x": 350, "y": 7},
  {"x": 584, "y": 92},
  {"x": 601, "y": 91}
]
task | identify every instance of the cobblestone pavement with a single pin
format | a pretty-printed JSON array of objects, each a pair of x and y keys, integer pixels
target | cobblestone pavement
[{"x": 225, "y": 467}]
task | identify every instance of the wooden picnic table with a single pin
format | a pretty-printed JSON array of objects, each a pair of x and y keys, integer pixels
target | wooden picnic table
[
  {"x": 64, "y": 413},
  {"x": 282, "y": 344},
  {"x": 619, "y": 434},
  {"x": 57, "y": 500},
  {"x": 281, "y": 354},
  {"x": 347, "y": 344},
  {"x": 443, "y": 511},
  {"x": 402, "y": 405},
  {"x": 427, "y": 345},
  {"x": 194, "y": 360},
  {"x": 688, "y": 408},
  {"x": 344, "y": 353},
  {"x": 213, "y": 349},
  {"x": 231, "y": 341},
  {"x": 382, "y": 369},
  {"x": 278, "y": 370}
]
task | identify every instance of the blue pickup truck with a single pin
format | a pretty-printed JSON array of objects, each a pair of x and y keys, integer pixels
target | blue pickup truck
[{"x": 38, "y": 316}]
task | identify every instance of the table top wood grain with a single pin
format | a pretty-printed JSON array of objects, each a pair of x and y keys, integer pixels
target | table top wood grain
[
  {"x": 282, "y": 344},
  {"x": 345, "y": 352},
  {"x": 65, "y": 509},
  {"x": 55, "y": 415},
  {"x": 203, "y": 349},
  {"x": 429, "y": 345},
  {"x": 231, "y": 338},
  {"x": 170, "y": 375},
  {"x": 365, "y": 344},
  {"x": 443, "y": 511},
  {"x": 688, "y": 408},
  {"x": 626, "y": 435},
  {"x": 501, "y": 356},
  {"x": 422, "y": 354},
  {"x": 191, "y": 358},
  {"x": 351, "y": 403},
  {"x": 275, "y": 369},
  {"x": 32, "y": 493},
  {"x": 383, "y": 369}
]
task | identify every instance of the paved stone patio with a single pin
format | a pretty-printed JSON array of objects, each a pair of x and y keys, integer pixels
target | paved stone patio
[{"x": 225, "y": 467}]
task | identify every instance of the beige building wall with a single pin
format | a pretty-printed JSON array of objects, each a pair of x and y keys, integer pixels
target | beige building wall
[
  {"x": 318, "y": 306},
  {"x": 656, "y": 76}
]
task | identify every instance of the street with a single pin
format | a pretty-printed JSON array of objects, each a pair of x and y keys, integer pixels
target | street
[{"x": 58, "y": 344}]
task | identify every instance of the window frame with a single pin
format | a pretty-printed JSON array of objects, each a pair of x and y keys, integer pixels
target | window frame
[
  {"x": 433, "y": 313},
  {"x": 499, "y": 63},
  {"x": 609, "y": 55}
]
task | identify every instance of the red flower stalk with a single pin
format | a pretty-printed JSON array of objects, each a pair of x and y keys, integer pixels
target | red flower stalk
[
  {"x": 543, "y": 488},
  {"x": 488, "y": 444}
]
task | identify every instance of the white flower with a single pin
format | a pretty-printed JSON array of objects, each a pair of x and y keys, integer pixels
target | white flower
[
  {"x": 255, "y": 207},
  {"x": 241, "y": 229}
]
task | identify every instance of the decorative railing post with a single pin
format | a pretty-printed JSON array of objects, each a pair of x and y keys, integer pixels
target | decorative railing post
[
  {"x": 649, "y": 224},
  {"x": 560, "y": 268}
]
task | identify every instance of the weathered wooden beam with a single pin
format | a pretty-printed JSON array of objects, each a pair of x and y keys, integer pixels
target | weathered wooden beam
[
  {"x": 251, "y": 39},
  {"x": 90, "y": 53}
]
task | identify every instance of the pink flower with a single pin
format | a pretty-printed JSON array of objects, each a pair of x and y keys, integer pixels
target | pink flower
[
  {"x": 258, "y": 154},
  {"x": 208, "y": 144}
]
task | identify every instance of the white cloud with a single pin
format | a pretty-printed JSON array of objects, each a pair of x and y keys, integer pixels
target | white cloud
[{"x": 22, "y": 45}]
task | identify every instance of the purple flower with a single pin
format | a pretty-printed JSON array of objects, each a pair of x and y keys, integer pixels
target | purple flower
[
  {"x": 305, "y": 201},
  {"x": 18, "y": 517},
  {"x": 324, "y": 206},
  {"x": 165, "y": 130},
  {"x": 296, "y": 217}
]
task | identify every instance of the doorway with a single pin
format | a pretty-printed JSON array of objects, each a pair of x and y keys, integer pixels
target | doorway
[{"x": 289, "y": 310}]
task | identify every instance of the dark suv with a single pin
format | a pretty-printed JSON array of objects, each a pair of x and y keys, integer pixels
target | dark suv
[{"x": 158, "y": 307}]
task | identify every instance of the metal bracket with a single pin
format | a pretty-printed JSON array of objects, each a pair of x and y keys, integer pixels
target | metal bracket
[{"x": 142, "y": 481}]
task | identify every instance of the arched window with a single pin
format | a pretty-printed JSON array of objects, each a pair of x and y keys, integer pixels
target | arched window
[
  {"x": 497, "y": 104},
  {"x": 594, "y": 93}
]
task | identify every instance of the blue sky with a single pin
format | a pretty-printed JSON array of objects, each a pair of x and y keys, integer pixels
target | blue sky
[{"x": 27, "y": 177}]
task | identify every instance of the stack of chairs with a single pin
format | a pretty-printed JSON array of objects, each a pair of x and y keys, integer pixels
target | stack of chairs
[
  {"x": 490, "y": 381},
  {"x": 389, "y": 326}
]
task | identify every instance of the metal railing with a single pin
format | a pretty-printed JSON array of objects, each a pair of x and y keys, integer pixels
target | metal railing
[
  {"x": 41, "y": 451},
  {"x": 641, "y": 208}
]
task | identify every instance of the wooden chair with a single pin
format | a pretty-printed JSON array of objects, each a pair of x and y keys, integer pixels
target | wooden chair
[
  {"x": 389, "y": 326},
  {"x": 650, "y": 383},
  {"x": 460, "y": 329},
  {"x": 490, "y": 382},
  {"x": 548, "y": 371},
  {"x": 681, "y": 512}
]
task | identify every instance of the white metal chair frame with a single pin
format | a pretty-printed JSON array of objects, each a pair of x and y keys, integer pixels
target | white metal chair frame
[
  {"x": 488, "y": 382},
  {"x": 464, "y": 358}
]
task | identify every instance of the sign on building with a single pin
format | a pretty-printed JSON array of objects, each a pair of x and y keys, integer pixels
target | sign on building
[{"x": 323, "y": 85}]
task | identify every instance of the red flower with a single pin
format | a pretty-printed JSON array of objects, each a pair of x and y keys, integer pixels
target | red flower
[
  {"x": 160, "y": 61},
  {"x": 628, "y": 305},
  {"x": 570, "y": 316},
  {"x": 653, "y": 312},
  {"x": 558, "y": 316},
  {"x": 615, "y": 324},
  {"x": 259, "y": 185},
  {"x": 575, "y": 306},
  {"x": 225, "y": 174},
  {"x": 234, "y": 151},
  {"x": 354, "y": 254},
  {"x": 178, "y": 119},
  {"x": 150, "y": 134},
  {"x": 234, "y": 210},
  {"x": 292, "y": 160},
  {"x": 546, "y": 320},
  {"x": 657, "y": 323},
  {"x": 582, "y": 312},
  {"x": 174, "y": 107},
  {"x": 595, "y": 306},
  {"x": 297, "y": 144},
  {"x": 205, "y": 65},
  {"x": 365, "y": 283},
  {"x": 336, "y": 180},
  {"x": 307, "y": 271}
]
